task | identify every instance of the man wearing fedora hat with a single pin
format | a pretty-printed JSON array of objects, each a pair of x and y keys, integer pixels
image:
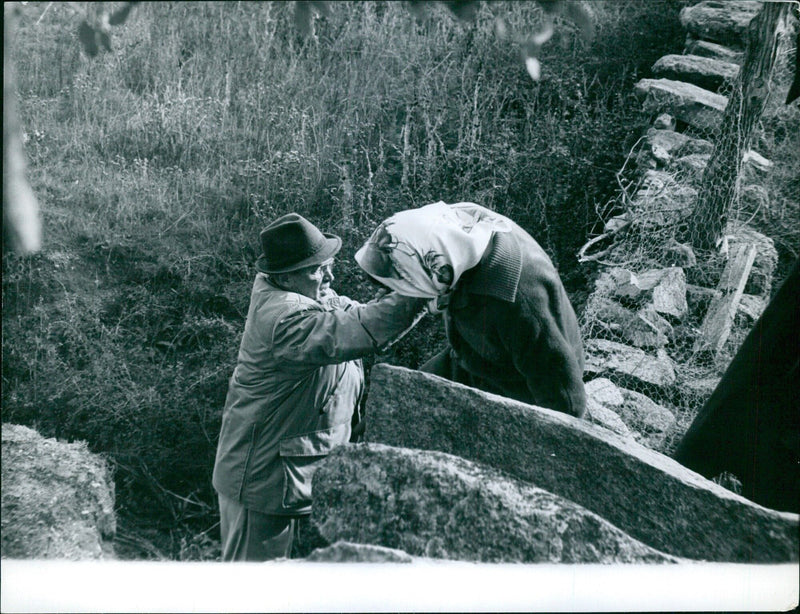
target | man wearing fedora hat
[{"x": 296, "y": 386}]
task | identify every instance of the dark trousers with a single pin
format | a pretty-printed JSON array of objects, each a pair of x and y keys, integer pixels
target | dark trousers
[{"x": 248, "y": 535}]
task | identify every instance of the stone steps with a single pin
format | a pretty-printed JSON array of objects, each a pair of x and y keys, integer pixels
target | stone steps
[
  {"x": 714, "y": 51},
  {"x": 708, "y": 73},
  {"x": 689, "y": 103},
  {"x": 723, "y": 22}
]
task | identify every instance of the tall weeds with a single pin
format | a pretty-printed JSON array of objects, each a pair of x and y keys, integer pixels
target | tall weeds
[{"x": 157, "y": 165}]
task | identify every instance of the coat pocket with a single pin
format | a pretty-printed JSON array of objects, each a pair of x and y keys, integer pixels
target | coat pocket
[{"x": 300, "y": 457}]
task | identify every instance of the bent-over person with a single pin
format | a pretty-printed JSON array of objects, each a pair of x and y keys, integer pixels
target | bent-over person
[
  {"x": 509, "y": 322},
  {"x": 297, "y": 383}
]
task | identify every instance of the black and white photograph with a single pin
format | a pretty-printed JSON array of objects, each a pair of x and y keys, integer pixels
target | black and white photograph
[{"x": 401, "y": 305}]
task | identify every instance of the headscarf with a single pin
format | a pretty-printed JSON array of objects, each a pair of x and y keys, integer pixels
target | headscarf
[{"x": 423, "y": 252}]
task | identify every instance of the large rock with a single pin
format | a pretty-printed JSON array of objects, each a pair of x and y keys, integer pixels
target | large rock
[
  {"x": 708, "y": 73},
  {"x": 689, "y": 103},
  {"x": 642, "y": 492},
  {"x": 663, "y": 290},
  {"x": 441, "y": 506},
  {"x": 643, "y": 328},
  {"x": 721, "y": 22},
  {"x": 714, "y": 51},
  {"x": 57, "y": 499},
  {"x": 629, "y": 366}
]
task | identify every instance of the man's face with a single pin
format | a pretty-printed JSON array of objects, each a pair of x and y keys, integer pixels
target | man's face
[{"x": 313, "y": 282}]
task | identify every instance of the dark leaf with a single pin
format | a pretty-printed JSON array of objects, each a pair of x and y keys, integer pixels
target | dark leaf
[
  {"x": 303, "y": 17},
  {"x": 466, "y": 10},
  {"x": 119, "y": 16},
  {"x": 578, "y": 13},
  {"x": 88, "y": 38}
]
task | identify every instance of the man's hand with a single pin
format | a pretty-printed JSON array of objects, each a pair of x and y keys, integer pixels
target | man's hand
[{"x": 382, "y": 291}]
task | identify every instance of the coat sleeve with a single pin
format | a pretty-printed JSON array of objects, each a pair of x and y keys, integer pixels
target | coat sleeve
[
  {"x": 545, "y": 348},
  {"x": 314, "y": 336}
]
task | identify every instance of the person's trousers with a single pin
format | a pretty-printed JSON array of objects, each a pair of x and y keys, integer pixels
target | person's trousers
[{"x": 248, "y": 535}]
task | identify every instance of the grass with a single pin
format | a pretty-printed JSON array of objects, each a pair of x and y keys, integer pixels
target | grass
[{"x": 157, "y": 164}]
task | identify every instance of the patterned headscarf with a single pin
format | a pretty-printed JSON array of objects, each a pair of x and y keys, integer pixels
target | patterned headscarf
[{"x": 423, "y": 252}]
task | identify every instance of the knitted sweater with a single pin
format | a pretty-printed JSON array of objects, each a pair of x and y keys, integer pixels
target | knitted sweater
[{"x": 511, "y": 324}]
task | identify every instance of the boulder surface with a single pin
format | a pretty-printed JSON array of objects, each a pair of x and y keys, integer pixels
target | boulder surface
[
  {"x": 440, "y": 506},
  {"x": 57, "y": 499},
  {"x": 646, "y": 494}
]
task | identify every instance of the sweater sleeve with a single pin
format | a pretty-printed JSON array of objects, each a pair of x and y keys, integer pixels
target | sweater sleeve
[
  {"x": 314, "y": 336},
  {"x": 542, "y": 352}
]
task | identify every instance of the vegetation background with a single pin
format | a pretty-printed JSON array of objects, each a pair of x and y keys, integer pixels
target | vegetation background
[{"x": 157, "y": 164}]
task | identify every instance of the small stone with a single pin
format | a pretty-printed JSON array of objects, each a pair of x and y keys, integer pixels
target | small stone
[
  {"x": 349, "y": 552},
  {"x": 616, "y": 223},
  {"x": 680, "y": 254},
  {"x": 751, "y": 307},
  {"x": 599, "y": 414},
  {"x": 691, "y": 167},
  {"x": 604, "y": 391},
  {"x": 669, "y": 295},
  {"x": 626, "y": 283},
  {"x": 665, "y": 121}
]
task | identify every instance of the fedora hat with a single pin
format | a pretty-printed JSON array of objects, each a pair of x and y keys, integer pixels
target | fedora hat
[{"x": 292, "y": 242}]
